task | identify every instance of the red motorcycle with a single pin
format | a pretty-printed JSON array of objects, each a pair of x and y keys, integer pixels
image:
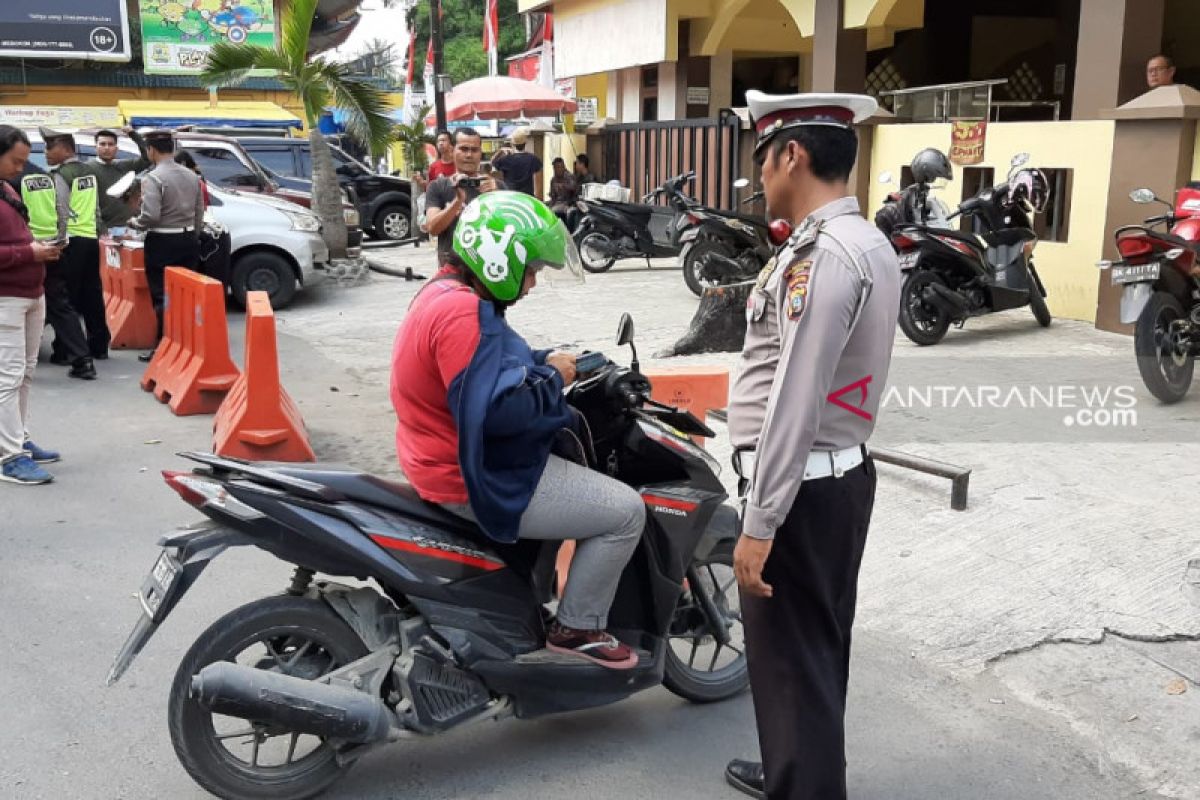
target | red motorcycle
[{"x": 1160, "y": 273}]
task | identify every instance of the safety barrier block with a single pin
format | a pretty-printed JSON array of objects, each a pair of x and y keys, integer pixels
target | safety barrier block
[
  {"x": 191, "y": 370},
  {"x": 697, "y": 389},
  {"x": 258, "y": 420},
  {"x": 127, "y": 304}
]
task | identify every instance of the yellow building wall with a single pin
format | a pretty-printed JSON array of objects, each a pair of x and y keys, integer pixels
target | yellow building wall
[
  {"x": 594, "y": 86},
  {"x": 110, "y": 95},
  {"x": 1067, "y": 268},
  {"x": 1196, "y": 157}
]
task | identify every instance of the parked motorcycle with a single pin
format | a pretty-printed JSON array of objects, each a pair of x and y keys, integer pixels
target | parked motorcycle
[
  {"x": 610, "y": 230},
  {"x": 951, "y": 276},
  {"x": 279, "y": 697},
  {"x": 723, "y": 247},
  {"x": 1161, "y": 278}
]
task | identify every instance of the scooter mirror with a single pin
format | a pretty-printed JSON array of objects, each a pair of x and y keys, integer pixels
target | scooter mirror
[
  {"x": 625, "y": 329},
  {"x": 1019, "y": 159},
  {"x": 741, "y": 183},
  {"x": 1142, "y": 195},
  {"x": 885, "y": 178}
]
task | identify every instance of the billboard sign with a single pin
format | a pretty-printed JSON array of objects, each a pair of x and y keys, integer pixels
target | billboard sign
[
  {"x": 177, "y": 34},
  {"x": 94, "y": 30}
]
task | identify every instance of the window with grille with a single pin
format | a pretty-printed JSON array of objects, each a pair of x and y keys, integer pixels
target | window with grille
[{"x": 1052, "y": 225}]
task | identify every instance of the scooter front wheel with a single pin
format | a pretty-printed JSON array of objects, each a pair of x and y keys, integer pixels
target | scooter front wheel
[{"x": 698, "y": 667}]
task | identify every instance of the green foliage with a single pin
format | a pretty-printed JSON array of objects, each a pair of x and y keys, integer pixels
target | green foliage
[
  {"x": 412, "y": 138},
  {"x": 318, "y": 82},
  {"x": 463, "y": 57}
]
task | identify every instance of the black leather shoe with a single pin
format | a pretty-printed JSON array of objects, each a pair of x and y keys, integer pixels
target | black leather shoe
[
  {"x": 83, "y": 369},
  {"x": 146, "y": 357},
  {"x": 746, "y": 776}
]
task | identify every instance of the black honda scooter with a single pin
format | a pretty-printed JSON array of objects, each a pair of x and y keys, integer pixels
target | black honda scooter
[
  {"x": 279, "y": 697},
  {"x": 610, "y": 230},
  {"x": 951, "y": 276}
]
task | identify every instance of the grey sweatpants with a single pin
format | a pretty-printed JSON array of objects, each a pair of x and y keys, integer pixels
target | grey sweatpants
[{"x": 606, "y": 519}]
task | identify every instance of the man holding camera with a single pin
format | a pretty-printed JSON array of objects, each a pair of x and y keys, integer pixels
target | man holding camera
[{"x": 446, "y": 197}]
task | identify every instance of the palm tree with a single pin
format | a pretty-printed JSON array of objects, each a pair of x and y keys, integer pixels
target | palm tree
[
  {"x": 318, "y": 83},
  {"x": 412, "y": 138}
]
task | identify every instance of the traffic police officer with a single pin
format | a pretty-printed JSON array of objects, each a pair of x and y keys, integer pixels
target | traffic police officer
[
  {"x": 171, "y": 214},
  {"x": 821, "y": 320},
  {"x": 81, "y": 258},
  {"x": 48, "y": 199}
]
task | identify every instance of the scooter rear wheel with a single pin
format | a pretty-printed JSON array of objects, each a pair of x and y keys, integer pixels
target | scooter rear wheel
[
  {"x": 229, "y": 756},
  {"x": 1166, "y": 369},
  {"x": 922, "y": 322},
  {"x": 693, "y": 653},
  {"x": 693, "y": 261},
  {"x": 595, "y": 251}
]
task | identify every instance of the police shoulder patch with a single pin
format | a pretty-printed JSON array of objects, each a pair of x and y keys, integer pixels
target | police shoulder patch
[{"x": 797, "y": 277}]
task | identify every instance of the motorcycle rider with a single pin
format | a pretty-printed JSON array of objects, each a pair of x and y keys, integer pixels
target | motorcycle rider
[{"x": 478, "y": 412}]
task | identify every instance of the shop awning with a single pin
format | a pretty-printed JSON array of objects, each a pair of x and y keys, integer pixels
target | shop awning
[{"x": 200, "y": 113}]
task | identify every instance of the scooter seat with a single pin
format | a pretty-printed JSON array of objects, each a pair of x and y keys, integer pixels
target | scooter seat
[{"x": 366, "y": 488}]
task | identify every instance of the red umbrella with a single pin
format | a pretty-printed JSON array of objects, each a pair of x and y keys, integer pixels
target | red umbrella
[{"x": 501, "y": 97}]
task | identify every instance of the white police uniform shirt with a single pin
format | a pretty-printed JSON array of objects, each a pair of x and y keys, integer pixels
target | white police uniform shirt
[{"x": 821, "y": 322}]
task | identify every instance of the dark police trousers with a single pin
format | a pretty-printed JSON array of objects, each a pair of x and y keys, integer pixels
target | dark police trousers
[
  {"x": 82, "y": 261},
  {"x": 798, "y": 640},
  {"x": 168, "y": 250},
  {"x": 69, "y": 341}
]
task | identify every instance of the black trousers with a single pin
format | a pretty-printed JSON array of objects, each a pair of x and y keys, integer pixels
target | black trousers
[
  {"x": 82, "y": 261},
  {"x": 798, "y": 640},
  {"x": 168, "y": 250},
  {"x": 69, "y": 341}
]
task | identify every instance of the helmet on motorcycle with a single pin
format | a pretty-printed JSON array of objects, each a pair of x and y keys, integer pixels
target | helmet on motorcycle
[
  {"x": 1031, "y": 189},
  {"x": 929, "y": 165},
  {"x": 501, "y": 235}
]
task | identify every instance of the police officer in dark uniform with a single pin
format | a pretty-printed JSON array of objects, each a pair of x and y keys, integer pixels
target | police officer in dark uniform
[
  {"x": 821, "y": 321},
  {"x": 171, "y": 215}
]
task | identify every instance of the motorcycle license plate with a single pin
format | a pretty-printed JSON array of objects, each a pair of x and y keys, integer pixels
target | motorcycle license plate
[
  {"x": 1136, "y": 273},
  {"x": 909, "y": 260},
  {"x": 159, "y": 584}
]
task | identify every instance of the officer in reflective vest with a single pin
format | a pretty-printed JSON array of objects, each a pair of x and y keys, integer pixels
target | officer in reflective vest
[
  {"x": 82, "y": 256},
  {"x": 49, "y": 212}
]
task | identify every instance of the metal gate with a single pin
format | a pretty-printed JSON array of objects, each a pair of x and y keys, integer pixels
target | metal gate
[{"x": 643, "y": 155}]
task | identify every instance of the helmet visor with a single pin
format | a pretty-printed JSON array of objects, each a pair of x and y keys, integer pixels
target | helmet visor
[{"x": 569, "y": 272}]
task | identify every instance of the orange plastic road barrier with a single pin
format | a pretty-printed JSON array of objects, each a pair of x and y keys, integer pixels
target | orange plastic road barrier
[
  {"x": 258, "y": 420},
  {"x": 127, "y": 304},
  {"x": 696, "y": 389},
  {"x": 191, "y": 370}
]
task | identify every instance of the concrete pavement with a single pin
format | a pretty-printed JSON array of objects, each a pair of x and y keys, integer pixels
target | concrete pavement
[{"x": 957, "y": 691}]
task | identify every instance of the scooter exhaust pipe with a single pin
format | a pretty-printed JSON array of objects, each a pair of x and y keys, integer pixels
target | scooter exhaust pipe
[
  {"x": 293, "y": 704},
  {"x": 946, "y": 299}
]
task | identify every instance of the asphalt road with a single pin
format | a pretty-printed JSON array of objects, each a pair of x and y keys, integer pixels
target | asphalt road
[{"x": 72, "y": 553}]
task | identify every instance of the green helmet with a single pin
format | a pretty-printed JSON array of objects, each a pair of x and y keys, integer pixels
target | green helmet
[{"x": 500, "y": 235}]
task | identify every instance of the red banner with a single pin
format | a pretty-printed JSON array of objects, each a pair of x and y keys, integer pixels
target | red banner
[{"x": 525, "y": 67}]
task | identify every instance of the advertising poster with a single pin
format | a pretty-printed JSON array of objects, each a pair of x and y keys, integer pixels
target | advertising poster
[
  {"x": 966, "y": 142},
  {"x": 177, "y": 34},
  {"x": 61, "y": 117},
  {"x": 94, "y": 30}
]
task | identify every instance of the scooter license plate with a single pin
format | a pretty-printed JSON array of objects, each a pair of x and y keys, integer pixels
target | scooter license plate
[
  {"x": 1136, "y": 273},
  {"x": 159, "y": 584},
  {"x": 909, "y": 260}
]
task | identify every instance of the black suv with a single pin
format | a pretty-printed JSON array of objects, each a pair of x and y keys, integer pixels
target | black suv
[{"x": 383, "y": 200}]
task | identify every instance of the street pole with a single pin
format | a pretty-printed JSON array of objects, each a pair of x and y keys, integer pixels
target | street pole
[{"x": 439, "y": 101}]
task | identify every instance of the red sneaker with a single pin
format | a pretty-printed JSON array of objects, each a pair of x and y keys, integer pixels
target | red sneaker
[{"x": 599, "y": 647}]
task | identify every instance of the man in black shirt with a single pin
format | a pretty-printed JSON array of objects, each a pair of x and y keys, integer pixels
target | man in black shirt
[
  {"x": 583, "y": 171},
  {"x": 522, "y": 171},
  {"x": 446, "y": 197}
]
